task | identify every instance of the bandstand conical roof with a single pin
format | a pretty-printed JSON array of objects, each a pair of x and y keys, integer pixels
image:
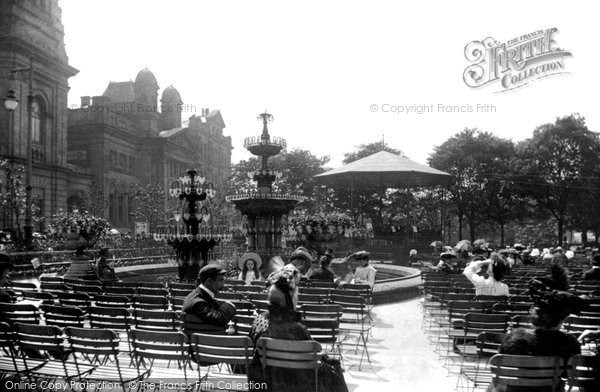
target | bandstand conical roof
[{"x": 385, "y": 169}]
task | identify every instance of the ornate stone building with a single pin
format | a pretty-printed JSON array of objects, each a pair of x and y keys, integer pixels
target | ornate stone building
[
  {"x": 112, "y": 142},
  {"x": 120, "y": 139},
  {"x": 34, "y": 28}
]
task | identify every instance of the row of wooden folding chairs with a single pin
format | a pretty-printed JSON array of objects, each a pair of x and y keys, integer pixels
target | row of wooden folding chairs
[
  {"x": 92, "y": 355},
  {"x": 522, "y": 370}
]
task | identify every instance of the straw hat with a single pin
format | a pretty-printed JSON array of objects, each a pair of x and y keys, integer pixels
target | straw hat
[{"x": 249, "y": 256}]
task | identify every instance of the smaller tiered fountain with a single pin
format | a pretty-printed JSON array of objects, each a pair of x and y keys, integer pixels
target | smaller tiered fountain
[{"x": 264, "y": 208}]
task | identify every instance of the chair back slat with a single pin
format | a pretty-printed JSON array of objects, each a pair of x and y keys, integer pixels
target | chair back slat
[
  {"x": 110, "y": 318},
  {"x": 150, "y": 302},
  {"x": 155, "y": 320},
  {"x": 584, "y": 371}
]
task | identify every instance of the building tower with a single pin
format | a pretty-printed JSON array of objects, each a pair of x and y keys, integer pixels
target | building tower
[{"x": 170, "y": 116}]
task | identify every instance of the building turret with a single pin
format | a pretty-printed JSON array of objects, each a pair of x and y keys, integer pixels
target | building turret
[{"x": 170, "y": 108}]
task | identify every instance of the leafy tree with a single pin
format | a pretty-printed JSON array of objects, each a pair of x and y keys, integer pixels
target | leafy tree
[
  {"x": 477, "y": 161},
  {"x": 13, "y": 196},
  {"x": 557, "y": 164},
  {"x": 97, "y": 202},
  {"x": 298, "y": 167},
  {"x": 151, "y": 204},
  {"x": 364, "y": 150}
]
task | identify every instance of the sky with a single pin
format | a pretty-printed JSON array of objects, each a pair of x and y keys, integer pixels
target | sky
[{"x": 333, "y": 73}]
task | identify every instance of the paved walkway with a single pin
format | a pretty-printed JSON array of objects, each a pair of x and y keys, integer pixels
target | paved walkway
[{"x": 402, "y": 359}]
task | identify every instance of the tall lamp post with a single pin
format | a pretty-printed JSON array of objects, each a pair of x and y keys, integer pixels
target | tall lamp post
[{"x": 11, "y": 103}]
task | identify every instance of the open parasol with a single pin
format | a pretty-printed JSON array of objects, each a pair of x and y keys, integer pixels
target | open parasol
[
  {"x": 464, "y": 245},
  {"x": 437, "y": 244}
]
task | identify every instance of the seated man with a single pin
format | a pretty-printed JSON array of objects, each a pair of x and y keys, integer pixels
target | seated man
[
  {"x": 323, "y": 273},
  {"x": 366, "y": 273},
  {"x": 212, "y": 316},
  {"x": 594, "y": 272}
]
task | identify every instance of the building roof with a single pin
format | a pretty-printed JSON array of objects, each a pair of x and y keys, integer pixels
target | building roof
[
  {"x": 385, "y": 169},
  {"x": 120, "y": 92},
  {"x": 170, "y": 94},
  {"x": 145, "y": 76}
]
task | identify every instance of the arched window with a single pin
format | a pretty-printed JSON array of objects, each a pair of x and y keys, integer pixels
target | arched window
[
  {"x": 37, "y": 117},
  {"x": 112, "y": 203}
]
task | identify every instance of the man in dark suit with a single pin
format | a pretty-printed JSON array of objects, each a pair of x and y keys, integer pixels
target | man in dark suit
[
  {"x": 323, "y": 273},
  {"x": 594, "y": 272},
  {"x": 203, "y": 313}
]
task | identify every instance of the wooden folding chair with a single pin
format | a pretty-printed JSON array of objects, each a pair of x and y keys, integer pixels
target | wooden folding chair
[
  {"x": 19, "y": 313},
  {"x": 354, "y": 320},
  {"x": 231, "y": 350},
  {"x": 243, "y": 324},
  {"x": 19, "y": 287},
  {"x": 110, "y": 318},
  {"x": 584, "y": 372},
  {"x": 12, "y": 363},
  {"x": 47, "y": 341},
  {"x": 290, "y": 354},
  {"x": 100, "y": 348},
  {"x": 326, "y": 332},
  {"x": 478, "y": 374},
  {"x": 157, "y": 291},
  {"x": 152, "y": 346},
  {"x": 155, "y": 320},
  {"x": 80, "y": 300},
  {"x": 112, "y": 301},
  {"x": 150, "y": 302},
  {"x": 120, "y": 290},
  {"x": 526, "y": 371},
  {"x": 63, "y": 316},
  {"x": 326, "y": 311},
  {"x": 46, "y": 298}
]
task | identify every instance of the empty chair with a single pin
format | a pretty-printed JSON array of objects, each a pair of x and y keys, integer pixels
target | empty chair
[
  {"x": 99, "y": 348},
  {"x": 326, "y": 311},
  {"x": 19, "y": 287},
  {"x": 250, "y": 289},
  {"x": 112, "y": 318},
  {"x": 118, "y": 301},
  {"x": 63, "y": 316},
  {"x": 46, "y": 298},
  {"x": 12, "y": 363},
  {"x": 155, "y": 320},
  {"x": 88, "y": 289},
  {"x": 478, "y": 374},
  {"x": 47, "y": 341},
  {"x": 512, "y": 309},
  {"x": 326, "y": 332},
  {"x": 51, "y": 279},
  {"x": 244, "y": 308},
  {"x": 526, "y": 371},
  {"x": 151, "y": 285},
  {"x": 584, "y": 371},
  {"x": 177, "y": 303},
  {"x": 232, "y": 350},
  {"x": 80, "y": 300},
  {"x": 153, "y": 291},
  {"x": 150, "y": 302},
  {"x": 324, "y": 285},
  {"x": 311, "y": 299},
  {"x": 243, "y": 323},
  {"x": 54, "y": 287},
  {"x": 126, "y": 291},
  {"x": 19, "y": 313},
  {"x": 290, "y": 354},
  {"x": 150, "y": 346},
  {"x": 577, "y": 324}
]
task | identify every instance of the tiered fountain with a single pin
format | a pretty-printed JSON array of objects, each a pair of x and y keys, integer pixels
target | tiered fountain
[{"x": 264, "y": 208}]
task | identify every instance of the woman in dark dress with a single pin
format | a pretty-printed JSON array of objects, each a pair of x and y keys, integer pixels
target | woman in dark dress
[
  {"x": 552, "y": 305},
  {"x": 281, "y": 321}
]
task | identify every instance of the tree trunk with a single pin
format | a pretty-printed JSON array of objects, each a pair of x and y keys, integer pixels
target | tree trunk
[
  {"x": 460, "y": 226},
  {"x": 502, "y": 234},
  {"x": 561, "y": 224},
  {"x": 472, "y": 230},
  {"x": 584, "y": 237}
]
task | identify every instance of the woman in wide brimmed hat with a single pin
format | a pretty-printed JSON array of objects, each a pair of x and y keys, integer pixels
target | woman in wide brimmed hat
[{"x": 249, "y": 265}]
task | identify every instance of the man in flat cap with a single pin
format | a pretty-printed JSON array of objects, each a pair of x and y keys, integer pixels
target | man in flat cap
[{"x": 211, "y": 315}]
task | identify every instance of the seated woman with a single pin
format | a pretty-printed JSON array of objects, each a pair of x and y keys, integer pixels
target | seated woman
[
  {"x": 348, "y": 276},
  {"x": 493, "y": 284},
  {"x": 249, "y": 265},
  {"x": 552, "y": 305},
  {"x": 106, "y": 273},
  {"x": 444, "y": 264},
  {"x": 281, "y": 321}
]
